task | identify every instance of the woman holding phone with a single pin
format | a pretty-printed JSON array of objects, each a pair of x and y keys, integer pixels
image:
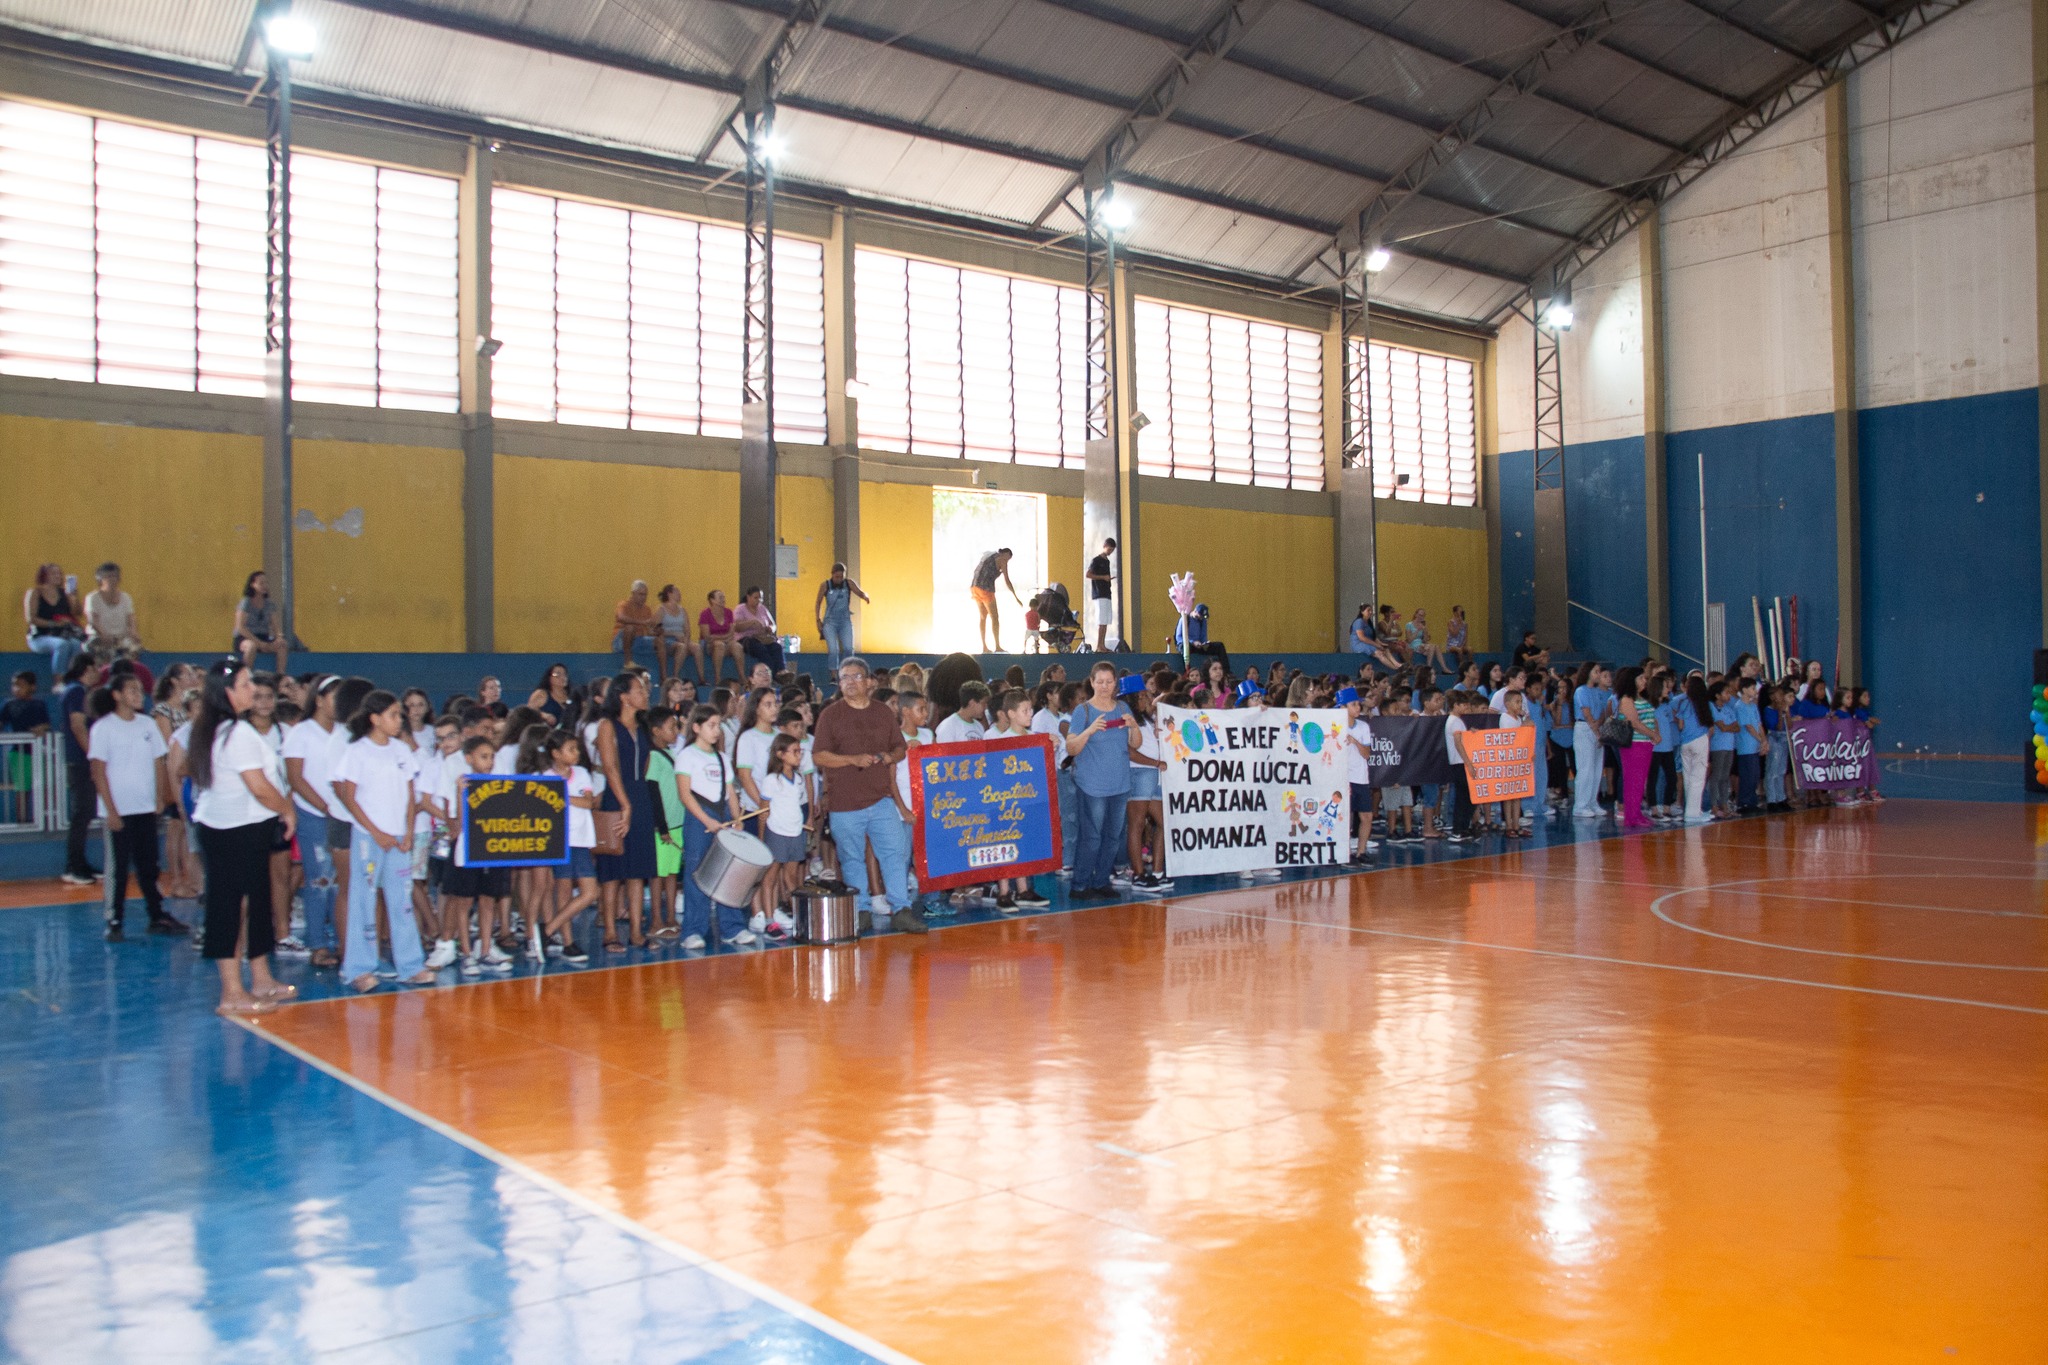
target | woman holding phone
[{"x": 1102, "y": 739}]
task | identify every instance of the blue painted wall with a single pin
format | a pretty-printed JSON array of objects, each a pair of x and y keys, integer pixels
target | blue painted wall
[
  {"x": 1951, "y": 552},
  {"x": 1951, "y": 569},
  {"x": 1770, "y": 528},
  {"x": 1605, "y": 555}
]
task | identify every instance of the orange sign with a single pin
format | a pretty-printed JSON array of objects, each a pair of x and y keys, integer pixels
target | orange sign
[{"x": 1500, "y": 765}]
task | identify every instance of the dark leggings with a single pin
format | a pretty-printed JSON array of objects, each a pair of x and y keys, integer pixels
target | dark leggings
[
  {"x": 1664, "y": 779},
  {"x": 134, "y": 845},
  {"x": 238, "y": 867}
]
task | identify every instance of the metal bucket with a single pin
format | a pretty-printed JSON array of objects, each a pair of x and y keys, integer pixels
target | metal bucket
[
  {"x": 826, "y": 912},
  {"x": 733, "y": 867}
]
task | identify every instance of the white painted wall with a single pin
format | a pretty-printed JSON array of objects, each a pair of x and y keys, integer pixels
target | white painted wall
[
  {"x": 1602, "y": 355},
  {"x": 1941, "y": 163},
  {"x": 1746, "y": 284}
]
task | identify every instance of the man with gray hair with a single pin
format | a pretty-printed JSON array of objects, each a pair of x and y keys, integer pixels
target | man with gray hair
[
  {"x": 858, "y": 744},
  {"x": 633, "y": 620}
]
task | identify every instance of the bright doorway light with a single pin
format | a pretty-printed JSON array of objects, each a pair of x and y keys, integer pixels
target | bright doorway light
[{"x": 966, "y": 524}]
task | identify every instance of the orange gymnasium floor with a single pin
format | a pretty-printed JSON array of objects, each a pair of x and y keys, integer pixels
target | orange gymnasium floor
[{"x": 1774, "y": 1090}]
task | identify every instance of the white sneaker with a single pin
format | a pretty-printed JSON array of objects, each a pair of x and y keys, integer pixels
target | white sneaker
[
  {"x": 878, "y": 905},
  {"x": 291, "y": 947},
  {"x": 744, "y": 938},
  {"x": 785, "y": 920},
  {"x": 470, "y": 966},
  {"x": 535, "y": 950},
  {"x": 501, "y": 967},
  {"x": 757, "y": 923},
  {"x": 443, "y": 955},
  {"x": 494, "y": 955},
  {"x": 694, "y": 943},
  {"x": 1120, "y": 879}
]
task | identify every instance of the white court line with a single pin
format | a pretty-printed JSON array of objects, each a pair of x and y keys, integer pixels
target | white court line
[
  {"x": 839, "y": 1331},
  {"x": 1657, "y": 909},
  {"x": 1808, "y": 896},
  {"x": 1623, "y": 961},
  {"x": 1878, "y": 853}
]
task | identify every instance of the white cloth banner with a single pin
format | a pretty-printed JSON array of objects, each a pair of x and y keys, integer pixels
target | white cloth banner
[{"x": 1254, "y": 789}]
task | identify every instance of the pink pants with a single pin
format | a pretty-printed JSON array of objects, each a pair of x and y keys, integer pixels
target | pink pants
[{"x": 1635, "y": 774}]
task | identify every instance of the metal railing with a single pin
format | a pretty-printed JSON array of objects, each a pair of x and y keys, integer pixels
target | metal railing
[
  {"x": 32, "y": 783},
  {"x": 1621, "y": 625}
]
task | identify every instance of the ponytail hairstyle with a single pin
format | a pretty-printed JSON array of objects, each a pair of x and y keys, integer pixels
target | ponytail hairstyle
[
  {"x": 1696, "y": 693},
  {"x": 216, "y": 718},
  {"x": 349, "y": 695},
  {"x": 376, "y": 703}
]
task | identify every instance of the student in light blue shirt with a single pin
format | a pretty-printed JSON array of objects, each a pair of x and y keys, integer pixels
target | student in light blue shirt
[
  {"x": 1749, "y": 745},
  {"x": 1663, "y": 796},
  {"x": 1721, "y": 748},
  {"x": 1591, "y": 704}
]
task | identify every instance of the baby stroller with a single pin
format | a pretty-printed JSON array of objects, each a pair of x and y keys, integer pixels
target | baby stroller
[{"x": 1051, "y": 622}]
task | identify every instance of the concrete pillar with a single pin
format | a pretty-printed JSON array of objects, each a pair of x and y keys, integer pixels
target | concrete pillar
[
  {"x": 473, "y": 352},
  {"x": 1842, "y": 323},
  {"x": 842, "y": 410},
  {"x": 1656, "y": 497},
  {"x": 2040, "y": 30}
]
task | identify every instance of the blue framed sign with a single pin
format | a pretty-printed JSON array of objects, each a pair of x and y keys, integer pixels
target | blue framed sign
[{"x": 984, "y": 809}]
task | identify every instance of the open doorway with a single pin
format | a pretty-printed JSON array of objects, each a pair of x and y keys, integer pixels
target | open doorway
[{"x": 967, "y": 523}]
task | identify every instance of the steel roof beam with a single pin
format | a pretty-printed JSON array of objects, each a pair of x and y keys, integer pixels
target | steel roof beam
[
  {"x": 1607, "y": 44},
  {"x": 1749, "y": 30},
  {"x": 1367, "y": 219},
  {"x": 1455, "y": 58},
  {"x": 1279, "y": 71},
  {"x": 1155, "y": 107},
  {"x": 1864, "y": 44}
]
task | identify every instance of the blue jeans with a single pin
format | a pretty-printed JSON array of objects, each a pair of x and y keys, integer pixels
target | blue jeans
[
  {"x": 838, "y": 632},
  {"x": 767, "y": 652},
  {"x": 880, "y": 826},
  {"x": 1777, "y": 765},
  {"x": 318, "y": 894},
  {"x": 62, "y": 649},
  {"x": 1586, "y": 746},
  {"x": 619, "y": 643},
  {"x": 1070, "y": 818},
  {"x": 1102, "y": 839},
  {"x": 697, "y": 907},
  {"x": 370, "y": 870}
]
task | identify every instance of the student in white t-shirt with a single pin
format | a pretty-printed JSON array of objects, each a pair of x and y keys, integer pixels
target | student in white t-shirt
[
  {"x": 127, "y": 755},
  {"x": 750, "y": 748},
  {"x": 310, "y": 750},
  {"x": 564, "y": 754},
  {"x": 241, "y": 813},
  {"x": 705, "y": 780},
  {"x": 966, "y": 723},
  {"x": 782, "y": 797},
  {"x": 1462, "y": 704},
  {"x": 1358, "y": 769},
  {"x": 374, "y": 782},
  {"x": 1013, "y": 718}
]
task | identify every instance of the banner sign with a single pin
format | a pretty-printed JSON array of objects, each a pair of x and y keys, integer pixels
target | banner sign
[
  {"x": 985, "y": 809},
  {"x": 1254, "y": 789},
  {"x": 1500, "y": 765},
  {"x": 1833, "y": 753},
  {"x": 518, "y": 821},
  {"x": 1408, "y": 751}
]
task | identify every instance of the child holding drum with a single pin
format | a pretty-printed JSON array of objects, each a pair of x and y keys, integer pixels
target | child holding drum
[
  {"x": 782, "y": 829},
  {"x": 705, "y": 781}
]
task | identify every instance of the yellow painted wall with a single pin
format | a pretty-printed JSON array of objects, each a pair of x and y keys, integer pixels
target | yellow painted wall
[
  {"x": 1434, "y": 567},
  {"x": 896, "y": 568},
  {"x": 386, "y": 572},
  {"x": 572, "y": 536},
  {"x": 1063, "y": 548},
  {"x": 1269, "y": 578},
  {"x": 180, "y": 511}
]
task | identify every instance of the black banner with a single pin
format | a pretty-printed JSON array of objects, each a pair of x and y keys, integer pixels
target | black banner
[
  {"x": 1408, "y": 751},
  {"x": 514, "y": 822}
]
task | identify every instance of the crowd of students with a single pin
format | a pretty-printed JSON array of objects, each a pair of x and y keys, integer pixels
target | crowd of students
[{"x": 261, "y": 793}]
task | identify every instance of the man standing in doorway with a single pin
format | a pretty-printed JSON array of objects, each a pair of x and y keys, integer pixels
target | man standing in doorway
[
  {"x": 1101, "y": 605},
  {"x": 995, "y": 564}
]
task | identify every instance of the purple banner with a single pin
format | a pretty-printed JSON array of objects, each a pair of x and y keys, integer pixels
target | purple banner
[{"x": 1833, "y": 753}]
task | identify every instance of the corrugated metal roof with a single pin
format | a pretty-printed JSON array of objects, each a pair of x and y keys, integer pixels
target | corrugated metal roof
[{"x": 988, "y": 108}]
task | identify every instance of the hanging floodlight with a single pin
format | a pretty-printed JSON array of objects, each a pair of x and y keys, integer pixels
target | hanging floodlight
[
  {"x": 770, "y": 145},
  {"x": 288, "y": 35},
  {"x": 1114, "y": 213},
  {"x": 1378, "y": 259},
  {"x": 1558, "y": 317}
]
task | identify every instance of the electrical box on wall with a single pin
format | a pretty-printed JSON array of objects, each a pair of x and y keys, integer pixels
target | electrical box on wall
[{"x": 785, "y": 561}]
